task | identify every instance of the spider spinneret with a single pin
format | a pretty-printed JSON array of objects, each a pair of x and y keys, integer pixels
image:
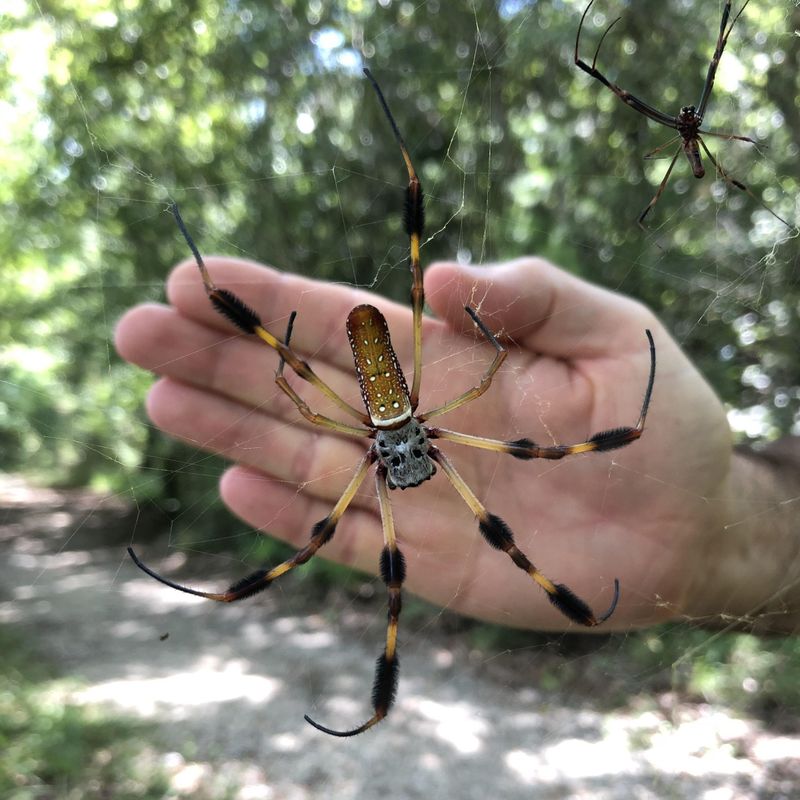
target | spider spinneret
[{"x": 402, "y": 444}]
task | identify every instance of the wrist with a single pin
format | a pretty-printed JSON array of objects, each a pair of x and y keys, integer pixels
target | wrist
[{"x": 749, "y": 566}]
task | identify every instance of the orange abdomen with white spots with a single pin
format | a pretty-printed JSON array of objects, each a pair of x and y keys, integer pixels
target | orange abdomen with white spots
[{"x": 383, "y": 385}]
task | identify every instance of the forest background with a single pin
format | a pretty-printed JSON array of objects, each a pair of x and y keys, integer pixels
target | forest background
[{"x": 256, "y": 119}]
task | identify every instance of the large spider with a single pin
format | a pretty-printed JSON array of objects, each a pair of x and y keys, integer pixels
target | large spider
[
  {"x": 690, "y": 119},
  {"x": 401, "y": 444}
]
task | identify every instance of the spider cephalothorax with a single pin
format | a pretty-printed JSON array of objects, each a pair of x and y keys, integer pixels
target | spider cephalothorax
[
  {"x": 401, "y": 444},
  {"x": 688, "y": 122},
  {"x": 404, "y": 453}
]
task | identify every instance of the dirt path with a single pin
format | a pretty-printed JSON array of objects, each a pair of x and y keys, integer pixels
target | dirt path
[{"x": 230, "y": 684}]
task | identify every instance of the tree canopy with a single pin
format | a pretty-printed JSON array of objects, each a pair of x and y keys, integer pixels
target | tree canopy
[{"x": 256, "y": 118}]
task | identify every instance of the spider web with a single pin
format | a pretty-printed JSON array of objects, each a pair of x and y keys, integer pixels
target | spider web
[{"x": 668, "y": 711}]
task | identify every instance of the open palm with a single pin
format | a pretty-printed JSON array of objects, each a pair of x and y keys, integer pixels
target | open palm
[{"x": 578, "y": 364}]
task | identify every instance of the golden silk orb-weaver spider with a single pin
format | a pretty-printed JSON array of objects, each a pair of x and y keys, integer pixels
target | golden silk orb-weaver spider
[
  {"x": 402, "y": 444},
  {"x": 688, "y": 123}
]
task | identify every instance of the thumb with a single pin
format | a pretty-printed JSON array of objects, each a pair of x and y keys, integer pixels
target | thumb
[{"x": 538, "y": 305}]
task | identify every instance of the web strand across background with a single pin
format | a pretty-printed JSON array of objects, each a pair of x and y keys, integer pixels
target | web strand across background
[{"x": 259, "y": 123}]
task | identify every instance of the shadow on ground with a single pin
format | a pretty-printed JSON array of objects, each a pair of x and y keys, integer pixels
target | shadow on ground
[{"x": 228, "y": 685}]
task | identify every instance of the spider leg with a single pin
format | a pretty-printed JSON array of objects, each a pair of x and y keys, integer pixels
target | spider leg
[
  {"x": 624, "y": 95},
  {"x": 414, "y": 219},
  {"x": 393, "y": 572},
  {"x": 321, "y": 533},
  {"x": 728, "y": 136},
  {"x": 525, "y": 449},
  {"x": 498, "y": 535},
  {"x": 485, "y": 382},
  {"x": 739, "y": 185},
  {"x": 602, "y": 38},
  {"x": 652, "y": 154},
  {"x": 722, "y": 40},
  {"x": 660, "y": 191},
  {"x": 302, "y": 406},
  {"x": 241, "y": 315}
]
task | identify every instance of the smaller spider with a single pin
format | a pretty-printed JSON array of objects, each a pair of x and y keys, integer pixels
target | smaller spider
[
  {"x": 689, "y": 121},
  {"x": 402, "y": 445}
]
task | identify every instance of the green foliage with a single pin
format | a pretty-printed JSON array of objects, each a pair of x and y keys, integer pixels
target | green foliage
[
  {"x": 256, "y": 119},
  {"x": 750, "y": 674},
  {"x": 50, "y": 747}
]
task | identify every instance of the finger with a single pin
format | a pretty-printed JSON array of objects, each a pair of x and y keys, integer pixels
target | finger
[
  {"x": 282, "y": 511},
  {"x": 322, "y": 307},
  {"x": 318, "y": 461},
  {"x": 163, "y": 341},
  {"x": 540, "y": 306}
]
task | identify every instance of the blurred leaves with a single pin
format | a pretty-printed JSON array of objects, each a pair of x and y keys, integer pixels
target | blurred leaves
[
  {"x": 255, "y": 117},
  {"x": 51, "y": 746}
]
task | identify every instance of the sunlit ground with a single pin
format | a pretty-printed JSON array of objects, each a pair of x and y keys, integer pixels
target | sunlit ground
[{"x": 227, "y": 687}]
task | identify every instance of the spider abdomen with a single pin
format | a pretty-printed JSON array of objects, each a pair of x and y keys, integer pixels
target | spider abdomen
[
  {"x": 383, "y": 385},
  {"x": 692, "y": 152},
  {"x": 404, "y": 453}
]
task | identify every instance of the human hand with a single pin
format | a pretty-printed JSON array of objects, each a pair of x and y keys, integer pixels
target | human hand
[{"x": 578, "y": 364}]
